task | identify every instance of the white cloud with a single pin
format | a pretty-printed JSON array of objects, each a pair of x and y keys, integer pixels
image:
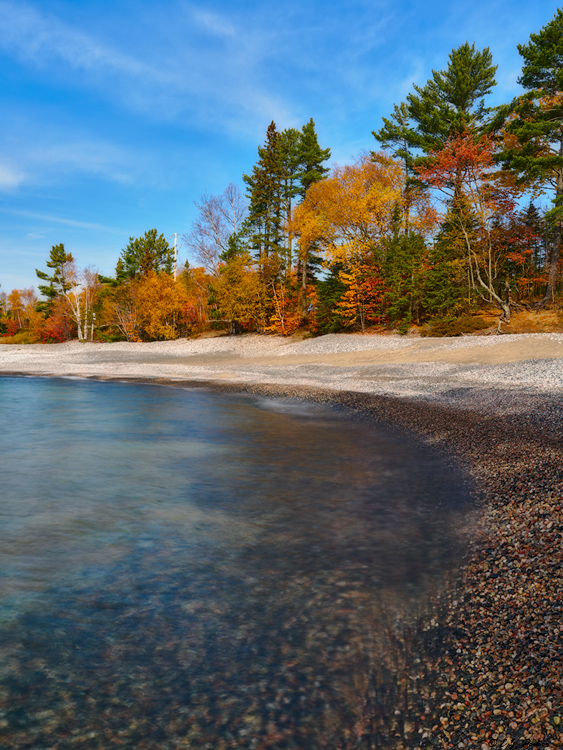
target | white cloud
[
  {"x": 53, "y": 219},
  {"x": 10, "y": 178},
  {"x": 43, "y": 40},
  {"x": 214, "y": 23}
]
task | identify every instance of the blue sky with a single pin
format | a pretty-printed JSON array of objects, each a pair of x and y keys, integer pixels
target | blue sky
[{"x": 118, "y": 114}]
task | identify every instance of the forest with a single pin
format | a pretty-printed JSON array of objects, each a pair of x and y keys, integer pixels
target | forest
[{"x": 455, "y": 214}]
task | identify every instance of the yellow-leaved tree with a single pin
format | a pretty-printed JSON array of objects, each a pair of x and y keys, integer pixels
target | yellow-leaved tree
[
  {"x": 239, "y": 294},
  {"x": 152, "y": 307},
  {"x": 344, "y": 219}
]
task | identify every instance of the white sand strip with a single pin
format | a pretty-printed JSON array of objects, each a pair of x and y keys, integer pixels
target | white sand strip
[{"x": 446, "y": 369}]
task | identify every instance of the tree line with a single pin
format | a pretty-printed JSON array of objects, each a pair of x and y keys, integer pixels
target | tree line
[{"x": 439, "y": 221}]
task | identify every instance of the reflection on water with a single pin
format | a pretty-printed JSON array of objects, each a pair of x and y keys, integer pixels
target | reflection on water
[{"x": 183, "y": 569}]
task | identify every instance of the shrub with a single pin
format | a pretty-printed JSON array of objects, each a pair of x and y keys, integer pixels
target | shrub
[
  {"x": 455, "y": 326},
  {"x": 23, "y": 337}
]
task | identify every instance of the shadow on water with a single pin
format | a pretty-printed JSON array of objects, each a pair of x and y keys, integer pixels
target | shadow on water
[{"x": 183, "y": 569}]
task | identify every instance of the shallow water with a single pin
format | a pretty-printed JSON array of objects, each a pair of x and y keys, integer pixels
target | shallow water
[{"x": 180, "y": 568}]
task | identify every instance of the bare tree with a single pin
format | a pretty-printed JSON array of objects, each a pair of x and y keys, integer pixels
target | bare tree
[
  {"x": 220, "y": 217},
  {"x": 80, "y": 296}
]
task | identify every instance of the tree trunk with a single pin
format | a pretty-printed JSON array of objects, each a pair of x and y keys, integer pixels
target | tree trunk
[
  {"x": 304, "y": 286},
  {"x": 556, "y": 248}
]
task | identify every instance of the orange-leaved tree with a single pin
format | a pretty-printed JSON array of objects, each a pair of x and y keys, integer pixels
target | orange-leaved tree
[
  {"x": 465, "y": 178},
  {"x": 362, "y": 301},
  {"x": 151, "y": 307}
]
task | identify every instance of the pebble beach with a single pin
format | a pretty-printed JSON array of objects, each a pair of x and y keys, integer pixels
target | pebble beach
[{"x": 482, "y": 667}]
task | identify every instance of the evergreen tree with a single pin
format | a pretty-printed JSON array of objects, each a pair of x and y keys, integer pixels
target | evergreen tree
[
  {"x": 151, "y": 252},
  {"x": 266, "y": 206},
  {"x": 450, "y": 103},
  {"x": 289, "y": 142},
  {"x": 404, "y": 266},
  {"x": 289, "y": 163},
  {"x": 311, "y": 157},
  {"x": 58, "y": 283},
  {"x": 330, "y": 290},
  {"x": 534, "y": 127},
  {"x": 235, "y": 247},
  {"x": 537, "y": 229}
]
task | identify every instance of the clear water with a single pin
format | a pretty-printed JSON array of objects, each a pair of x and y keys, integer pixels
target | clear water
[{"x": 182, "y": 569}]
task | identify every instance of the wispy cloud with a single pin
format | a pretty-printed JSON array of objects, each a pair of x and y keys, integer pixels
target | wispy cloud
[
  {"x": 188, "y": 78},
  {"x": 53, "y": 219},
  {"x": 46, "y": 153},
  {"x": 10, "y": 178},
  {"x": 225, "y": 70},
  {"x": 44, "y": 40}
]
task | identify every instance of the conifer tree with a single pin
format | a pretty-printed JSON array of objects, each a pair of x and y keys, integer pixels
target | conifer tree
[
  {"x": 450, "y": 103},
  {"x": 59, "y": 284},
  {"x": 533, "y": 128},
  {"x": 265, "y": 211},
  {"x": 289, "y": 163},
  {"x": 151, "y": 252},
  {"x": 534, "y": 223},
  {"x": 289, "y": 142},
  {"x": 311, "y": 158}
]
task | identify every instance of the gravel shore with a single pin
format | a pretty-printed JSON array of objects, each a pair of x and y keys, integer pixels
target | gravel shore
[
  {"x": 444, "y": 370},
  {"x": 483, "y": 668}
]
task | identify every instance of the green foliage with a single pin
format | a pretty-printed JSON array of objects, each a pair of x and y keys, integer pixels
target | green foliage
[
  {"x": 450, "y": 102},
  {"x": 235, "y": 246},
  {"x": 151, "y": 252},
  {"x": 533, "y": 127},
  {"x": 328, "y": 317},
  {"x": 443, "y": 293},
  {"x": 266, "y": 207},
  {"x": 543, "y": 58},
  {"x": 311, "y": 157},
  {"x": 58, "y": 283},
  {"x": 404, "y": 272},
  {"x": 289, "y": 162}
]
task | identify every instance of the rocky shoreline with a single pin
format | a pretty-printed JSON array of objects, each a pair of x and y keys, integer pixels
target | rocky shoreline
[{"x": 483, "y": 668}]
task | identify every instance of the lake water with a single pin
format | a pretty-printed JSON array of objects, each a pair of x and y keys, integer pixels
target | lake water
[{"x": 184, "y": 569}]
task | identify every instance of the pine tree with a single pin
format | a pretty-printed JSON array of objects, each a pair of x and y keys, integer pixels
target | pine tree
[
  {"x": 449, "y": 104},
  {"x": 289, "y": 163},
  {"x": 533, "y": 127},
  {"x": 452, "y": 101},
  {"x": 535, "y": 225},
  {"x": 58, "y": 285},
  {"x": 289, "y": 143},
  {"x": 264, "y": 190},
  {"x": 151, "y": 252},
  {"x": 311, "y": 158},
  {"x": 328, "y": 317},
  {"x": 404, "y": 266}
]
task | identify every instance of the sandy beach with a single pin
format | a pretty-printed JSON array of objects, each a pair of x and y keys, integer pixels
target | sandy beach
[{"x": 483, "y": 668}]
